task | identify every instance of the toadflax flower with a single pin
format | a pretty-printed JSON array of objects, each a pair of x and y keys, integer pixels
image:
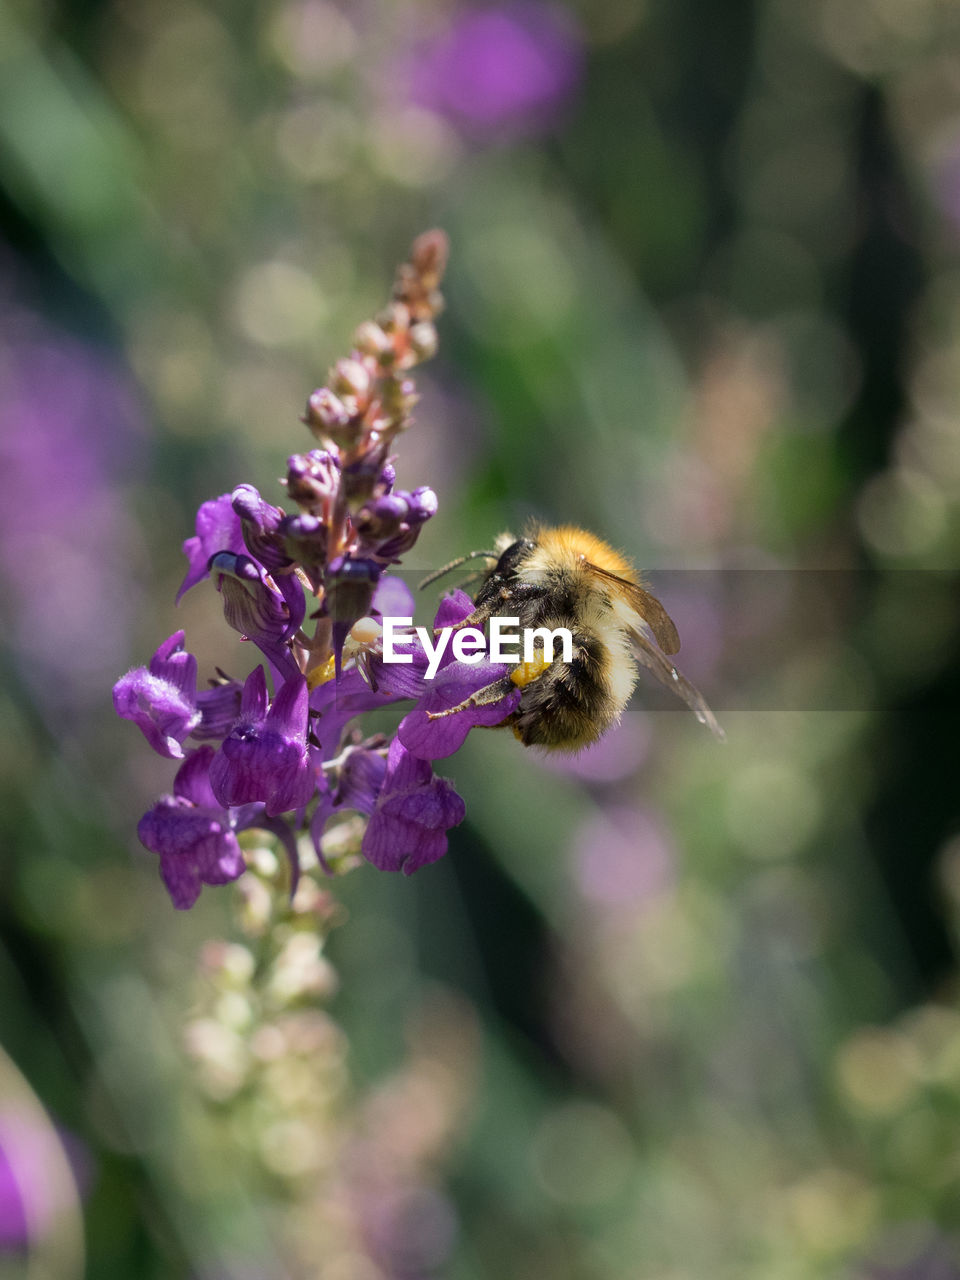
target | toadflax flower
[
  {"x": 162, "y": 699},
  {"x": 276, "y": 749},
  {"x": 413, "y": 812}
]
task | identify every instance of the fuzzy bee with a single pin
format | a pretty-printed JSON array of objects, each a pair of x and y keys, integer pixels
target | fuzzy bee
[{"x": 567, "y": 577}]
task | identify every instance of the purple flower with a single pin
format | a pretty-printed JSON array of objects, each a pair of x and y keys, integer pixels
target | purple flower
[
  {"x": 219, "y": 707},
  {"x": 510, "y": 66},
  {"x": 623, "y": 857},
  {"x": 42, "y": 1172},
  {"x": 414, "y": 810},
  {"x": 432, "y": 729},
  {"x": 252, "y": 607},
  {"x": 218, "y": 529},
  {"x": 335, "y": 704},
  {"x": 262, "y": 532},
  {"x": 264, "y": 757},
  {"x": 162, "y": 701},
  {"x": 361, "y": 780},
  {"x": 71, "y": 442},
  {"x": 193, "y": 835},
  {"x": 392, "y": 598}
]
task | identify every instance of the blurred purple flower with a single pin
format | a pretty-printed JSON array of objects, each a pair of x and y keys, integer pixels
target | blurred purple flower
[
  {"x": 35, "y": 1186},
  {"x": 620, "y": 752},
  {"x": 71, "y": 441},
  {"x": 623, "y": 856},
  {"x": 508, "y": 67},
  {"x": 13, "y": 1215},
  {"x": 409, "y": 1230}
]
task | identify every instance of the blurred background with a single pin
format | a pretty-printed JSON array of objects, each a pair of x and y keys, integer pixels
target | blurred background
[{"x": 677, "y": 1010}]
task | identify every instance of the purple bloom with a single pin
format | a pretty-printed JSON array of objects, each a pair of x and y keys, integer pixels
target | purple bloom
[
  {"x": 335, "y": 704},
  {"x": 431, "y": 730},
  {"x": 414, "y": 810},
  {"x": 264, "y": 757},
  {"x": 252, "y": 607},
  {"x": 392, "y": 598},
  {"x": 192, "y": 833},
  {"x": 218, "y": 529},
  {"x": 262, "y": 532},
  {"x": 506, "y": 67},
  {"x": 42, "y": 1172},
  {"x": 162, "y": 701},
  {"x": 351, "y": 585},
  {"x": 285, "y": 755},
  {"x": 219, "y": 707},
  {"x": 428, "y": 731},
  {"x": 71, "y": 441},
  {"x": 624, "y": 857},
  {"x": 408, "y": 679},
  {"x": 361, "y": 780}
]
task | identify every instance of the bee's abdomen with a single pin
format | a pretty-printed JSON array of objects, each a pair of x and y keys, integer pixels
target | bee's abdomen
[{"x": 570, "y": 705}]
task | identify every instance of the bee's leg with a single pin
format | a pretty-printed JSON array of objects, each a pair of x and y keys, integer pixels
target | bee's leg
[
  {"x": 482, "y": 614},
  {"x": 484, "y": 697},
  {"x": 522, "y": 591}
]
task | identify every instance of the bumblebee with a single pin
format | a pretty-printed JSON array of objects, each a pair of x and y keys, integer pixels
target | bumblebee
[{"x": 567, "y": 577}]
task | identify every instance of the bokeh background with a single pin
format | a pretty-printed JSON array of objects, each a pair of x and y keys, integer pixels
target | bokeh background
[{"x": 675, "y": 1011}]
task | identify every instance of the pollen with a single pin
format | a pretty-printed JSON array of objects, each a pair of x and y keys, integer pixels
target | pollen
[
  {"x": 525, "y": 672},
  {"x": 320, "y": 675}
]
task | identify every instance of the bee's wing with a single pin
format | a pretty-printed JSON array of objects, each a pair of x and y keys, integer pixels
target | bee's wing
[
  {"x": 650, "y": 656},
  {"x": 647, "y": 606}
]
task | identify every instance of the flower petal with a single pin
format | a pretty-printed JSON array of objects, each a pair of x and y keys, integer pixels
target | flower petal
[
  {"x": 162, "y": 701},
  {"x": 218, "y": 529}
]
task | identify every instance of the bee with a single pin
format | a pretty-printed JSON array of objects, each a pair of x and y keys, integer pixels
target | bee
[{"x": 566, "y": 577}]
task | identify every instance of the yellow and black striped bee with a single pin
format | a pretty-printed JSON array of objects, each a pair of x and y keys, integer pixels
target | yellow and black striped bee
[{"x": 566, "y": 577}]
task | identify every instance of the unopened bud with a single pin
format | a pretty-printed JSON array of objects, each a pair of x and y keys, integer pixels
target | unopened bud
[
  {"x": 394, "y": 318},
  {"x": 326, "y": 414},
  {"x": 370, "y": 340},
  {"x": 429, "y": 254},
  {"x": 350, "y": 378},
  {"x": 423, "y": 504},
  {"x": 382, "y": 518},
  {"x": 313, "y": 478},
  {"x": 423, "y": 339}
]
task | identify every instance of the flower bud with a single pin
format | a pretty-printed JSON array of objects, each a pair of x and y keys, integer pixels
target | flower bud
[
  {"x": 305, "y": 540},
  {"x": 313, "y": 479},
  {"x": 423, "y": 504},
  {"x": 371, "y": 340},
  {"x": 350, "y": 378},
  {"x": 359, "y": 480},
  {"x": 326, "y": 414},
  {"x": 398, "y": 396},
  {"x": 394, "y": 318},
  {"x": 423, "y": 339},
  {"x": 381, "y": 518},
  {"x": 350, "y": 586},
  {"x": 428, "y": 256}
]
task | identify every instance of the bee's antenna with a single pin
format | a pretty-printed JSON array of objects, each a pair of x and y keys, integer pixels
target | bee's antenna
[{"x": 455, "y": 564}]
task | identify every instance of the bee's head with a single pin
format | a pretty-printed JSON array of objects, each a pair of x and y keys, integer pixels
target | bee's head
[{"x": 513, "y": 556}]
